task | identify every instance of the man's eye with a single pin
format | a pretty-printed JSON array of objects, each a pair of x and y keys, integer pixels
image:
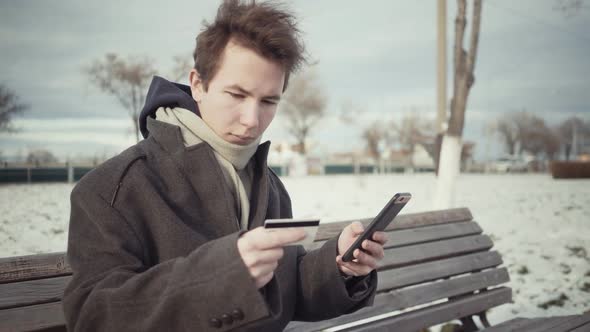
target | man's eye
[
  {"x": 268, "y": 102},
  {"x": 235, "y": 95}
]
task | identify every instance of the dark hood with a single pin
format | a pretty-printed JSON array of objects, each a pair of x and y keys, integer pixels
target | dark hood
[{"x": 163, "y": 93}]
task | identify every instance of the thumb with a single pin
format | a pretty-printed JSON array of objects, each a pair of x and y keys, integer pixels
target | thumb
[{"x": 357, "y": 227}]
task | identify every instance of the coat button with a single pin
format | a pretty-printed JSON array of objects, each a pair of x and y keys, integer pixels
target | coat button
[
  {"x": 214, "y": 322},
  {"x": 237, "y": 314},
  {"x": 227, "y": 319}
]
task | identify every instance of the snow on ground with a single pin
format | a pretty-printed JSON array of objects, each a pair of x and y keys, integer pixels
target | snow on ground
[{"x": 541, "y": 226}]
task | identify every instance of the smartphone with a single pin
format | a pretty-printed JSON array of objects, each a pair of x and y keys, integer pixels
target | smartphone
[{"x": 386, "y": 216}]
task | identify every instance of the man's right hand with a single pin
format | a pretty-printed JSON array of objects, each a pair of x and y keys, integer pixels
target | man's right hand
[{"x": 262, "y": 249}]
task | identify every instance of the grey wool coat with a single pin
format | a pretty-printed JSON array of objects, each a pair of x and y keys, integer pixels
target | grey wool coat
[{"x": 153, "y": 247}]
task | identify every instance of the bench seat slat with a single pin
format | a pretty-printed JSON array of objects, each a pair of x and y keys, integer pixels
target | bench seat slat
[
  {"x": 37, "y": 317},
  {"x": 572, "y": 322},
  {"x": 544, "y": 324},
  {"x": 439, "y": 313},
  {"x": 410, "y": 297},
  {"x": 404, "y": 237},
  {"x": 415, "y": 274},
  {"x": 397, "y": 257}
]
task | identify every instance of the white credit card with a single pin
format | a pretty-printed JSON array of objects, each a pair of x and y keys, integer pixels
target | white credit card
[{"x": 310, "y": 225}]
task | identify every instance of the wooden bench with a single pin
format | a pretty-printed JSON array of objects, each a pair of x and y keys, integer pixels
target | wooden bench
[{"x": 438, "y": 267}]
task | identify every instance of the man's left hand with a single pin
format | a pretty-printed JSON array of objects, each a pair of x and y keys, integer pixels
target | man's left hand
[{"x": 364, "y": 260}]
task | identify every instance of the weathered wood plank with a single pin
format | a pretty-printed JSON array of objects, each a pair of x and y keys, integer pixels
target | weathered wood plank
[
  {"x": 402, "y": 221},
  {"x": 34, "y": 318},
  {"x": 416, "y": 274},
  {"x": 410, "y": 297},
  {"x": 439, "y": 313},
  {"x": 519, "y": 324},
  {"x": 33, "y": 267},
  {"x": 398, "y": 257},
  {"x": 404, "y": 237},
  {"x": 19, "y": 294},
  {"x": 567, "y": 324},
  {"x": 582, "y": 328}
]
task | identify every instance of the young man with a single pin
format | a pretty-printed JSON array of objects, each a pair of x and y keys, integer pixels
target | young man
[{"x": 167, "y": 236}]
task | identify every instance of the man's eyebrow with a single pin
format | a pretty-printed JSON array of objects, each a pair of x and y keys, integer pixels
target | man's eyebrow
[{"x": 248, "y": 93}]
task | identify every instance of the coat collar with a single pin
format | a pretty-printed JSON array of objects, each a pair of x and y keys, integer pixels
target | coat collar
[{"x": 202, "y": 170}]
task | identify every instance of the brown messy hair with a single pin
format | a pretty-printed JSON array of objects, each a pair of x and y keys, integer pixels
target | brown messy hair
[{"x": 266, "y": 28}]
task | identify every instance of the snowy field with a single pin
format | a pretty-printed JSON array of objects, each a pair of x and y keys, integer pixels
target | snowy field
[{"x": 541, "y": 226}]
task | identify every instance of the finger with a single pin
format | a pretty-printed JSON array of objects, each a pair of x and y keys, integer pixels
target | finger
[
  {"x": 262, "y": 281},
  {"x": 255, "y": 257},
  {"x": 373, "y": 248},
  {"x": 352, "y": 268},
  {"x": 380, "y": 237},
  {"x": 365, "y": 259},
  {"x": 279, "y": 238},
  {"x": 263, "y": 269}
]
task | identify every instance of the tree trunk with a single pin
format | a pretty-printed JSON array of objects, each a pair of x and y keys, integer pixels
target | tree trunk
[
  {"x": 449, "y": 170},
  {"x": 464, "y": 63}
]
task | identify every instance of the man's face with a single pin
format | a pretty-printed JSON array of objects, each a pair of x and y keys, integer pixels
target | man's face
[{"x": 243, "y": 95}]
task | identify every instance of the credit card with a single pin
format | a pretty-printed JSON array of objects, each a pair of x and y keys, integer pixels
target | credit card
[{"x": 310, "y": 225}]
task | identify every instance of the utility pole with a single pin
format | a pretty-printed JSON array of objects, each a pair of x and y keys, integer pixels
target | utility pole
[{"x": 441, "y": 74}]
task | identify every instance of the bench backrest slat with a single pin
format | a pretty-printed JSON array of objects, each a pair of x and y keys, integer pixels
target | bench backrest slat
[
  {"x": 408, "y": 255},
  {"x": 33, "y": 267},
  {"x": 410, "y": 236},
  {"x": 402, "y": 221},
  {"x": 40, "y": 316},
  {"x": 416, "y": 274},
  {"x": 20, "y": 294}
]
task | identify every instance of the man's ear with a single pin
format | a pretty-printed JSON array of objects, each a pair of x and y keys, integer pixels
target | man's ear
[{"x": 197, "y": 88}]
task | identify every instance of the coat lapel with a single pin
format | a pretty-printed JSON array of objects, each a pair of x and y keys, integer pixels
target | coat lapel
[
  {"x": 260, "y": 188},
  {"x": 201, "y": 169}
]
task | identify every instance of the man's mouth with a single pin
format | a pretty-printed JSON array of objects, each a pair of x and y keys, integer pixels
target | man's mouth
[{"x": 243, "y": 138}]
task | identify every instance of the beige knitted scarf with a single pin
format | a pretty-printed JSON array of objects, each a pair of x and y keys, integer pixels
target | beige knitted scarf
[{"x": 234, "y": 159}]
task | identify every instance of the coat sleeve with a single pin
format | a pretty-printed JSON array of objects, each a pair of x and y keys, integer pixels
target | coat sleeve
[
  {"x": 112, "y": 289},
  {"x": 322, "y": 292}
]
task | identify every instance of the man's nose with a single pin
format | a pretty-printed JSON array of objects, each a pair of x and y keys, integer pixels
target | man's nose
[{"x": 249, "y": 117}]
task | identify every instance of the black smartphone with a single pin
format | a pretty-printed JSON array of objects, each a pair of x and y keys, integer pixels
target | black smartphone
[{"x": 389, "y": 212}]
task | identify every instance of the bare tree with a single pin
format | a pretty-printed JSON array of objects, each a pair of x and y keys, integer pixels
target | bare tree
[
  {"x": 508, "y": 132},
  {"x": 570, "y": 8},
  {"x": 303, "y": 104},
  {"x": 9, "y": 107},
  {"x": 464, "y": 78},
  {"x": 375, "y": 136},
  {"x": 125, "y": 79},
  {"x": 181, "y": 67},
  {"x": 41, "y": 157},
  {"x": 413, "y": 130},
  {"x": 350, "y": 112},
  {"x": 572, "y": 131},
  {"x": 526, "y": 132}
]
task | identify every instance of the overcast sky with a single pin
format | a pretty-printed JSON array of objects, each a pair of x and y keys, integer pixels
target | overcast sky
[{"x": 379, "y": 54}]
